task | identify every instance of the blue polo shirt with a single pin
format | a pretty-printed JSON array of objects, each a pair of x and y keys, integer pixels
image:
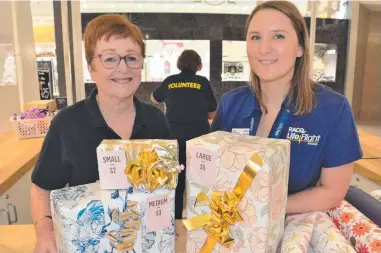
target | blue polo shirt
[{"x": 327, "y": 137}]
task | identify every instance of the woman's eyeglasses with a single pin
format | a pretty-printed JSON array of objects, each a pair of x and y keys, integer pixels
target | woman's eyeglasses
[{"x": 111, "y": 61}]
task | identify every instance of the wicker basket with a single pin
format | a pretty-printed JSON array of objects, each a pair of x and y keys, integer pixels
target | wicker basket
[{"x": 31, "y": 128}]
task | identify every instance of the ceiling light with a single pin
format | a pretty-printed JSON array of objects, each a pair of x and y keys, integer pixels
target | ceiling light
[
  {"x": 140, "y": 6},
  {"x": 192, "y": 6}
]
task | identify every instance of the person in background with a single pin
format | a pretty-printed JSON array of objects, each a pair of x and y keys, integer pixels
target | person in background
[
  {"x": 283, "y": 102},
  {"x": 190, "y": 103},
  {"x": 114, "y": 50}
]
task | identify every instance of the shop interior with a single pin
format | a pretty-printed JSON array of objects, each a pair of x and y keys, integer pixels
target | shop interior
[{"x": 39, "y": 61}]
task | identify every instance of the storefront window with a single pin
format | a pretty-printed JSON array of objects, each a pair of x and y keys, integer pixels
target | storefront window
[
  {"x": 235, "y": 66},
  {"x": 45, "y": 47},
  {"x": 324, "y": 63}
]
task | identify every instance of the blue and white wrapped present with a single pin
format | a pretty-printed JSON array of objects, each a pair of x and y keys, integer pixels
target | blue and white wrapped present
[{"x": 87, "y": 219}]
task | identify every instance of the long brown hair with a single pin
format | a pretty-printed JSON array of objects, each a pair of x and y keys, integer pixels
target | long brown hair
[{"x": 301, "y": 91}]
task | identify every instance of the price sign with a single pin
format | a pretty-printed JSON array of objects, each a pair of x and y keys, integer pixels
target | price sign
[
  {"x": 45, "y": 79},
  {"x": 157, "y": 212},
  {"x": 111, "y": 166},
  {"x": 203, "y": 166}
]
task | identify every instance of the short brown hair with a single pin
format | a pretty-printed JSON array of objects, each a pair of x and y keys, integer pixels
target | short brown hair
[
  {"x": 107, "y": 26},
  {"x": 301, "y": 91},
  {"x": 189, "y": 59}
]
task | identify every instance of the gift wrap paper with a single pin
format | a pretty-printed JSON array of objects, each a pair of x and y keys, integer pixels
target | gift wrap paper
[
  {"x": 146, "y": 164},
  {"x": 87, "y": 219},
  {"x": 313, "y": 232},
  {"x": 360, "y": 231},
  {"x": 244, "y": 179}
]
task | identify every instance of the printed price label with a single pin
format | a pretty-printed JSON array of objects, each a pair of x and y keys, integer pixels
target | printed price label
[
  {"x": 111, "y": 165},
  {"x": 157, "y": 211},
  {"x": 203, "y": 166}
]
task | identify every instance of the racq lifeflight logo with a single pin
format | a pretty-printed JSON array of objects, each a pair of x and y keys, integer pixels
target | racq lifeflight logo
[{"x": 300, "y": 135}]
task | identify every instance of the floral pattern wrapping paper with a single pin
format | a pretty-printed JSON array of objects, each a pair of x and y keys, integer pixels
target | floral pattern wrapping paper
[
  {"x": 84, "y": 217},
  {"x": 297, "y": 233},
  {"x": 313, "y": 230},
  {"x": 362, "y": 233},
  {"x": 263, "y": 205}
]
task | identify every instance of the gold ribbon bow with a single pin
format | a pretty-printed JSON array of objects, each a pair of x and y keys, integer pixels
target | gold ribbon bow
[
  {"x": 224, "y": 209},
  {"x": 124, "y": 239},
  {"x": 150, "y": 172}
]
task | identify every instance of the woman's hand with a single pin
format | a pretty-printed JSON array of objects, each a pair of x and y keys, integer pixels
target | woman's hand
[
  {"x": 40, "y": 200},
  {"x": 45, "y": 237}
]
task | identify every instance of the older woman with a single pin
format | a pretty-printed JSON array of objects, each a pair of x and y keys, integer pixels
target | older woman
[
  {"x": 114, "y": 50},
  {"x": 283, "y": 102}
]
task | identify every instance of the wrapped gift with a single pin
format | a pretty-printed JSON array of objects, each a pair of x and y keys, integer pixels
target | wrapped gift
[
  {"x": 236, "y": 193},
  {"x": 87, "y": 219},
  {"x": 146, "y": 164}
]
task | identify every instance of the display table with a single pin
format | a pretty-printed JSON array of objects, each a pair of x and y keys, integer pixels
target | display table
[
  {"x": 22, "y": 239},
  {"x": 17, "y": 157}
]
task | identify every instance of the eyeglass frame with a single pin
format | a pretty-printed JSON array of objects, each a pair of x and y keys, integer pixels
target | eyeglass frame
[{"x": 121, "y": 57}]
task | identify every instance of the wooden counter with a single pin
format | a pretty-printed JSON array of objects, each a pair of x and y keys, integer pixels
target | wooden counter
[
  {"x": 22, "y": 239},
  {"x": 17, "y": 157},
  {"x": 17, "y": 239},
  {"x": 371, "y": 147}
]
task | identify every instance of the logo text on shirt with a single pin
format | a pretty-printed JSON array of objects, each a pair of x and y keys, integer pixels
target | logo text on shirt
[
  {"x": 182, "y": 85},
  {"x": 300, "y": 135}
]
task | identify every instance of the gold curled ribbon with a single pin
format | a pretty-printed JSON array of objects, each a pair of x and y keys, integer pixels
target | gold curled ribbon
[
  {"x": 150, "y": 172},
  {"x": 124, "y": 239},
  {"x": 224, "y": 208}
]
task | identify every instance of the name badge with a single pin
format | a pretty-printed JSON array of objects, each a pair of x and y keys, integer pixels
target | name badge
[{"x": 242, "y": 131}]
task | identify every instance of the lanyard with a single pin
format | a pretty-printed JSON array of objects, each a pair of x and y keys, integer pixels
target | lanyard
[
  {"x": 251, "y": 129},
  {"x": 280, "y": 122},
  {"x": 278, "y": 126}
]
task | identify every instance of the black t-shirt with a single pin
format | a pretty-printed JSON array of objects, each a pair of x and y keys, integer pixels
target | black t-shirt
[
  {"x": 68, "y": 155},
  {"x": 188, "y": 98}
]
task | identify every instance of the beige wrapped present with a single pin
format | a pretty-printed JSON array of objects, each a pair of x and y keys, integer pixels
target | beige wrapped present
[{"x": 244, "y": 179}]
